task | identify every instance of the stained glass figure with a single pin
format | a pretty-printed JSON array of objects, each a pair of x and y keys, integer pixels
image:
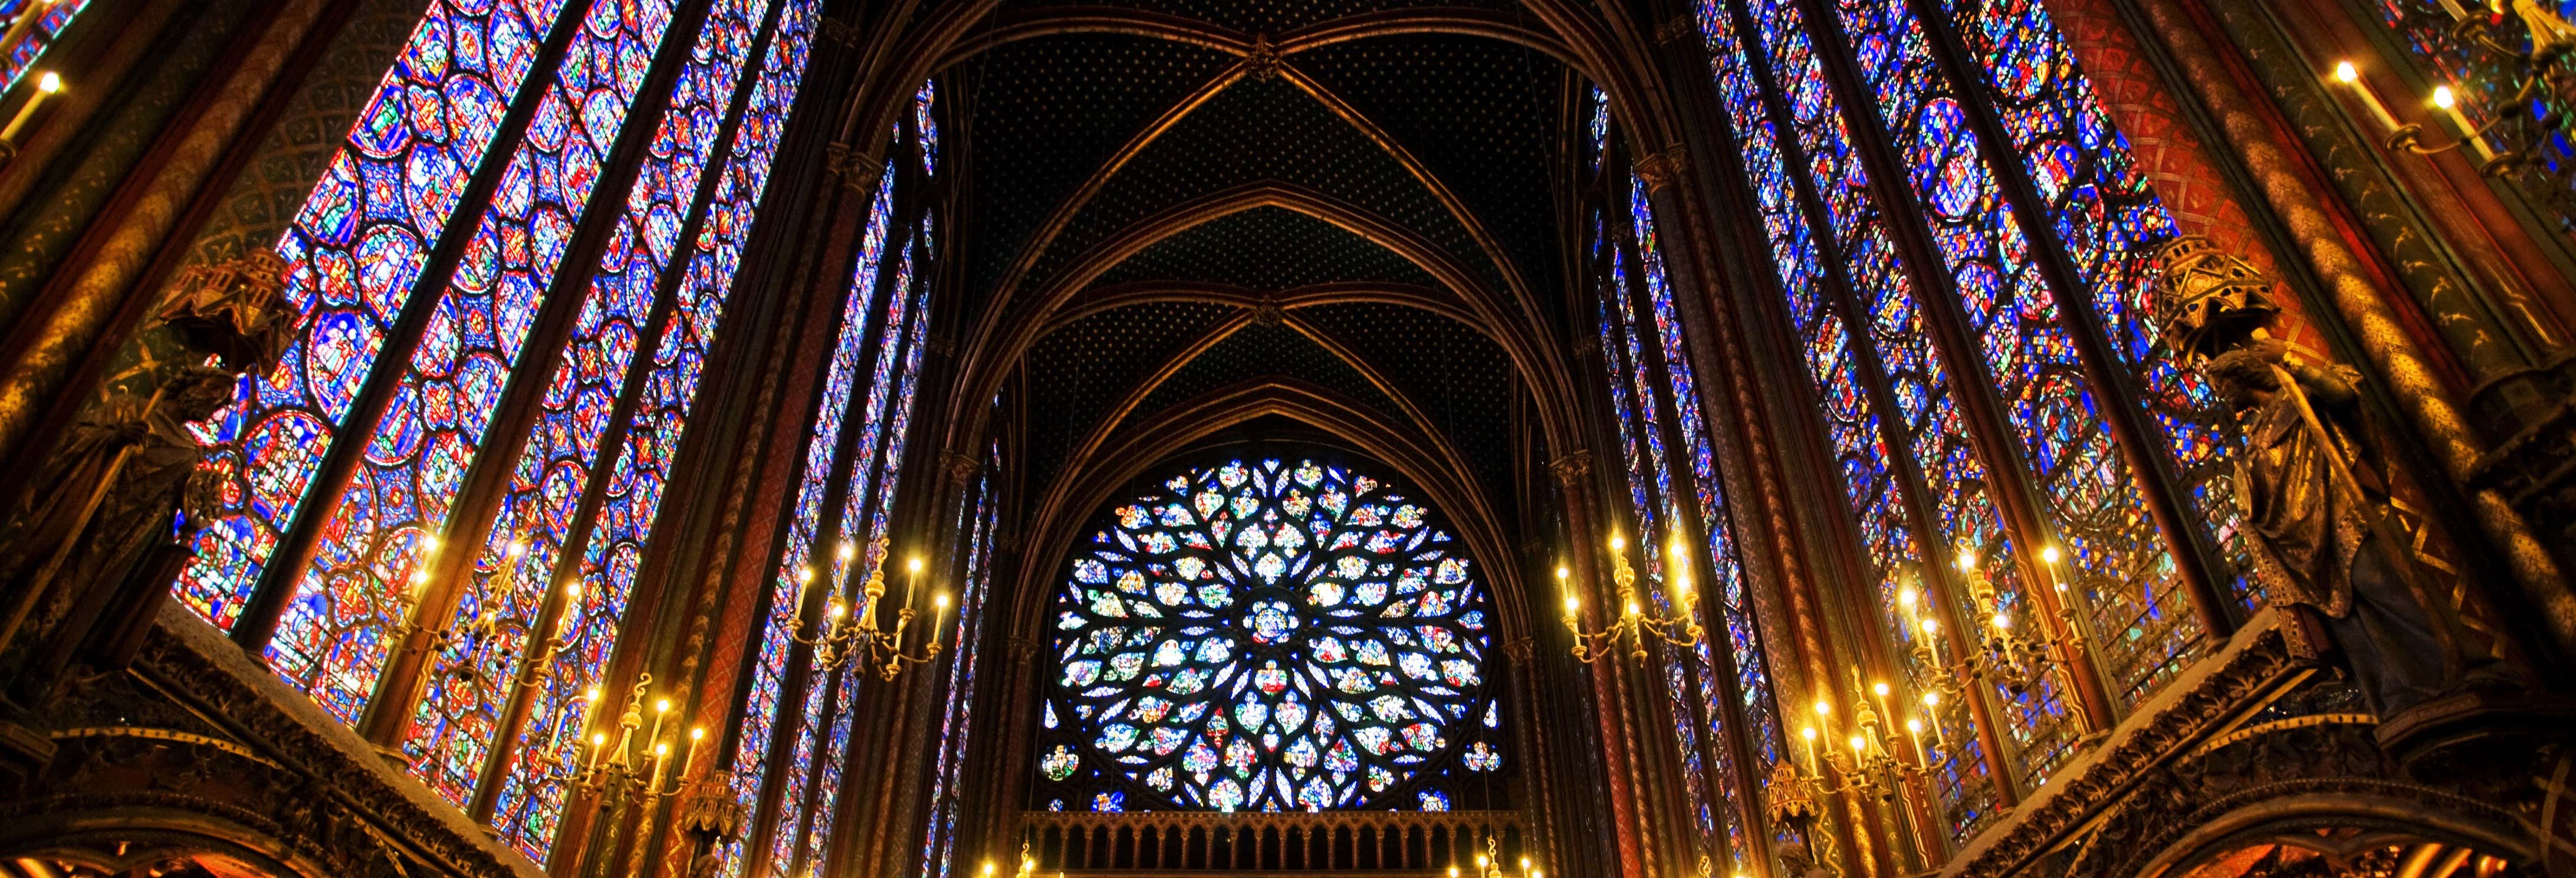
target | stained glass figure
[{"x": 1266, "y": 634}]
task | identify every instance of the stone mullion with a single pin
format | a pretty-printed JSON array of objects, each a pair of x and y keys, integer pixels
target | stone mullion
[
  {"x": 1652, "y": 761},
  {"x": 943, "y": 474},
  {"x": 856, "y": 200},
  {"x": 2141, "y": 443},
  {"x": 323, "y": 493},
  {"x": 1905, "y": 476}
]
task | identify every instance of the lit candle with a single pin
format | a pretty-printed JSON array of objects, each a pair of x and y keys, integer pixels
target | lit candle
[
  {"x": 1914, "y": 735},
  {"x": 1932, "y": 710},
  {"x": 46, "y": 86},
  {"x": 911, "y": 580},
  {"x": 1932, "y": 638},
  {"x": 696, "y": 736},
  {"x": 1881, "y": 689},
  {"x": 804, "y": 587},
  {"x": 598, "y": 748},
  {"x": 661, "y": 762},
  {"x": 661, "y": 711},
  {"x": 2444, "y": 100},
  {"x": 571, "y": 610},
  {"x": 2350, "y": 76},
  {"x": 938, "y": 618},
  {"x": 1809, "y": 733}
]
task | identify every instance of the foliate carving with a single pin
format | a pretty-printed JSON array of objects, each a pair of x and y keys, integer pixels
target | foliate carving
[
  {"x": 1572, "y": 468},
  {"x": 235, "y": 309},
  {"x": 854, "y": 166},
  {"x": 2193, "y": 709},
  {"x": 1269, "y": 314},
  {"x": 1677, "y": 29},
  {"x": 1660, "y": 169},
  {"x": 961, "y": 468},
  {"x": 838, "y": 31}
]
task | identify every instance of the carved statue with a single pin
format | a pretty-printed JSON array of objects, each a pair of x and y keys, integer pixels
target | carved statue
[
  {"x": 2319, "y": 519},
  {"x": 126, "y": 477}
]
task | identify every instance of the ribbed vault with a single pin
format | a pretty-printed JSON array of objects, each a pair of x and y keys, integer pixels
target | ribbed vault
[{"x": 1337, "y": 216}]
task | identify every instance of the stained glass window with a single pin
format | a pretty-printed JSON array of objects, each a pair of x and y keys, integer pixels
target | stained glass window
[
  {"x": 1674, "y": 489},
  {"x": 583, "y": 489},
  {"x": 1944, "y": 312},
  {"x": 36, "y": 34},
  {"x": 1264, "y": 634},
  {"x": 789, "y": 762},
  {"x": 978, "y": 520}
]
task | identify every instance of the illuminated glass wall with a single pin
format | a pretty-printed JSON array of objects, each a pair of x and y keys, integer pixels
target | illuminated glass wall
[
  {"x": 1678, "y": 520},
  {"x": 1962, "y": 250},
  {"x": 518, "y": 306}
]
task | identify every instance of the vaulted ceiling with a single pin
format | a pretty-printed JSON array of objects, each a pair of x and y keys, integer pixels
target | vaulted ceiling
[{"x": 1349, "y": 209}]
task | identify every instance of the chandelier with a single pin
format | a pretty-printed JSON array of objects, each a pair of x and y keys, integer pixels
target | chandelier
[
  {"x": 845, "y": 639},
  {"x": 1677, "y": 625}
]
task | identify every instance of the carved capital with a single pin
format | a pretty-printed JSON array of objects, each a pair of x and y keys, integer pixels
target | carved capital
[
  {"x": 838, "y": 31},
  {"x": 1572, "y": 468},
  {"x": 960, "y": 468},
  {"x": 854, "y": 166},
  {"x": 1676, "y": 29},
  {"x": 1659, "y": 169}
]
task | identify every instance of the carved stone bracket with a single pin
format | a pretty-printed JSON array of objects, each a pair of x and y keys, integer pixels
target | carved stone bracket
[{"x": 855, "y": 168}]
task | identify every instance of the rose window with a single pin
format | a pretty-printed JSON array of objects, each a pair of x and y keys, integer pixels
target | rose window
[{"x": 1267, "y": 635}]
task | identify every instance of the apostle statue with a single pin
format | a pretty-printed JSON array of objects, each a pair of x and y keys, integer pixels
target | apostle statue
[{"x": 2319, "y": 519}]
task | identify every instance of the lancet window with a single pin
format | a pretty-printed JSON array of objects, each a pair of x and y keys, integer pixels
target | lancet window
[
  {"x": 512, "y": 275},
  {"x": 794, "y": 737},
  {"x": 1678, "y": 519},
  {"x": 1962, "y": 251}
]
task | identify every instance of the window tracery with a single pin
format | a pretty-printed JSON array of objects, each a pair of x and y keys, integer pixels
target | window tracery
[{"x": 1268, "y": 634}]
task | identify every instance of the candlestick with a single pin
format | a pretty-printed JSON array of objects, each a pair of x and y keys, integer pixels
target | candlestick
[{"x": 46, "y": 86}]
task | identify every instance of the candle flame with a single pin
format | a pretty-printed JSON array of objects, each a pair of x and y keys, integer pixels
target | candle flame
[
  {"x": 1824, "y": 708},
  {"x": 1914, "y": 726},
  {"x": 698, "y": 733},
  {"x": 941, "y": 599},
  {"x": 1931, "y": 699},
  {"x": 49, "y": 83},
  {"x": 1880, "y": 688},
  {"x": 1905, "y": 598},
  {"x": 1808, "y": 733},
  {"x": 913, "y": 565},
  {"x": 2048, "y": 554},
  {"x": 1562, "y": 573},
  {"x": 2346, "y": 73},
  {"x": 2443, "y": 98},
  {"x": 1967, "y": 559},
  {"x": 661, "y": 705}
]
